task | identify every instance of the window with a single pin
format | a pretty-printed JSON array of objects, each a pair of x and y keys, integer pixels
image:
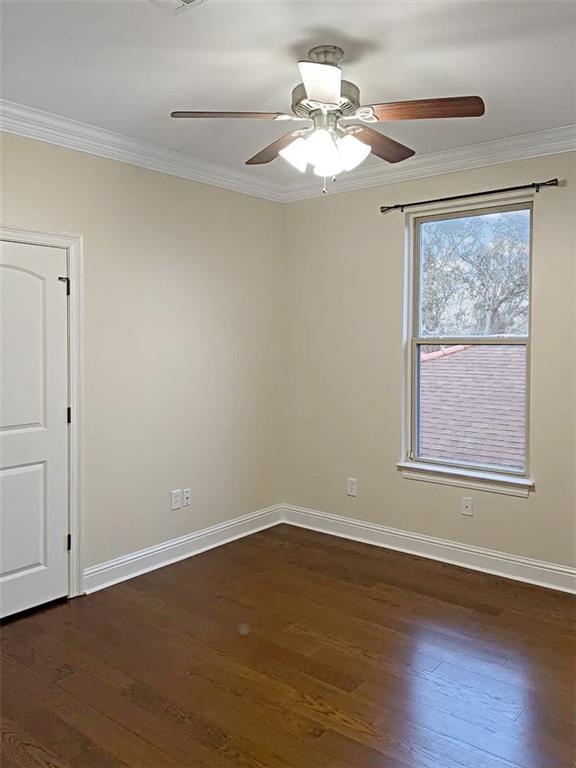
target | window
[{"x": 470, "y": 335}]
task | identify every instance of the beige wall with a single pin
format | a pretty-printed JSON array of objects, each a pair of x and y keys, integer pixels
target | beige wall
[
  {"x": 180, "y": 339},
  {"x": 253, "y": 352},
  {"x": 345, "y": 286}
]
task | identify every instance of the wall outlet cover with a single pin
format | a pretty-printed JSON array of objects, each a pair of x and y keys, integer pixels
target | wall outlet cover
[
  {"x": 351, "y": 486},
  {"x": 175, "y": 499}
]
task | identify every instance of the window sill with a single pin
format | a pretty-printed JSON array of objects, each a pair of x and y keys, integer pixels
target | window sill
[{"x": 495, "y": 482}]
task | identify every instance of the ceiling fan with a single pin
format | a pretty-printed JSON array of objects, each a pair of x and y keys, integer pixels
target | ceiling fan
[{"x": 334, "y": 133}]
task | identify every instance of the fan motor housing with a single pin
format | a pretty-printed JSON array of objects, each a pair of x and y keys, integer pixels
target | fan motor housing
[{"x": 349, "y": 101}]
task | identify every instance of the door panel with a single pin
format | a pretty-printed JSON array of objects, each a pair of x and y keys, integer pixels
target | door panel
[
  {"x": 23, "y": 381},
  {"x": 33, "y": 426},
  {"x": 23, "y": 531}
]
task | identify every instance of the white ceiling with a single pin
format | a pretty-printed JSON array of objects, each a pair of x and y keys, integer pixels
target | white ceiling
[{"x": 124, "y": 65}]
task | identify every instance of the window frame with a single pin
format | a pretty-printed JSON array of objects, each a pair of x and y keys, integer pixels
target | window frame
[{"x": 455, "y": 472}]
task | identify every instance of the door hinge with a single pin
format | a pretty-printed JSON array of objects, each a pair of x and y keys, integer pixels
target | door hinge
[
  {"x": 67, "y": 281},
  {"x": 69, "y": 542},
  {"x": 69, "y": 415}
]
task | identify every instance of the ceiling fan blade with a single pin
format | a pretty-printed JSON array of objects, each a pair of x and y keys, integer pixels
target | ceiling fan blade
[
  {"x": 383, "y": 146},
  {"x": 271, "y": 152},
  {"x": 249, "y": 115},
  {"x": 322, "y": 82},
  {"x": 426, "y": 109}
]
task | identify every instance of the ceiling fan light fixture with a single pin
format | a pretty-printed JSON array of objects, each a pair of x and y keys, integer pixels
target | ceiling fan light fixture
[
  {"x": 296, "y": 154},
  {"x": 332, "y": 144},
  {"x": 352, "y": 151}
]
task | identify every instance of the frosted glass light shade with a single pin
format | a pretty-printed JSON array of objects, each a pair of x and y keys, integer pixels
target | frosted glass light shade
[
  {"x": 296, "y": 154},
  {"x": 323, "y": 153},
  {"x": 328, "y": 169},
  {"x": 352, "y": 151}
]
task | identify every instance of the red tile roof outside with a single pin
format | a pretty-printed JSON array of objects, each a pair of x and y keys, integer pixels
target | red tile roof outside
[{"x": 472, "y": 404}]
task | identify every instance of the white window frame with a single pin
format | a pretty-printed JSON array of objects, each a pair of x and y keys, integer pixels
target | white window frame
[{"x": 488, "y": 478}]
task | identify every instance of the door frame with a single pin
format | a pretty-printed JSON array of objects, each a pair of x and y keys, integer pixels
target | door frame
[{"x": 73, "y": 246}]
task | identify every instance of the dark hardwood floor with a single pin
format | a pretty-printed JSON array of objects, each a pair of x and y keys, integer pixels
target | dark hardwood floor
[{"x": 292, "y": 649}]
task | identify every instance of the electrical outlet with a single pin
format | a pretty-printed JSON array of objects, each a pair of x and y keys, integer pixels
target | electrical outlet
[
  {"x": 175, "y": 499},
  {"x": 186, "y": 497},
  {"x": 467, "y": 508},
  {"x": 351, "y": 486}
]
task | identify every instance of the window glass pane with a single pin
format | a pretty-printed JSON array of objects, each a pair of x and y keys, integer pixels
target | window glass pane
[
  {"x": 474, "y": 275},
  {"x": 471, "y": 404}
]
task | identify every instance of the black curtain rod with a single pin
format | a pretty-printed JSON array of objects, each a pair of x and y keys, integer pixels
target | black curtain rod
[{"x": 537, "y": 185}]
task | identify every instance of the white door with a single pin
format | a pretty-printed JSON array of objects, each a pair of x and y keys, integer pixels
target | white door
[{"x": 33, "y": 426}]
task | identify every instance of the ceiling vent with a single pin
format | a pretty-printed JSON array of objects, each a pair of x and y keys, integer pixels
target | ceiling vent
[{"x": 177, "y": 5}]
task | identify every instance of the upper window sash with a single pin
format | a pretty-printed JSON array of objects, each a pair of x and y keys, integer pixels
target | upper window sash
[{"x": 416, "y": 325}]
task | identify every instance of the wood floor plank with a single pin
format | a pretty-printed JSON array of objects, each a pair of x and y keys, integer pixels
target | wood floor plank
[
  {"x": 293, "y": 649},
  {"x": 57, "y": 736},
  {"x": 98, "y": 728},
  {"x": 22, "y": 749},
  {"x": 213, "y": 697},
  {"x": 329, "y": 711},
  {"x": 17, "y": 644},
  {"x": 158, "y": 729},
  {"x": 488, "y": 630},
  {"x": 475, "y": 724}
]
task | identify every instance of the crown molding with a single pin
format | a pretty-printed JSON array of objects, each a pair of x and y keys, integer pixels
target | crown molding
[
  {"x": 522, "y": 147},
  {"x": 36, "y": 124}
]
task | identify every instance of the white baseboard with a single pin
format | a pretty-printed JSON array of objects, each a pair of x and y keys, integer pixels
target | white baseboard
[
  {"x": 550, "y": 575},
  {"x": 136, "y": 563}
]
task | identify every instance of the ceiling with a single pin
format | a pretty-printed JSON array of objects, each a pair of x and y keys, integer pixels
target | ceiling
[{"x": 123, "y": 65}]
